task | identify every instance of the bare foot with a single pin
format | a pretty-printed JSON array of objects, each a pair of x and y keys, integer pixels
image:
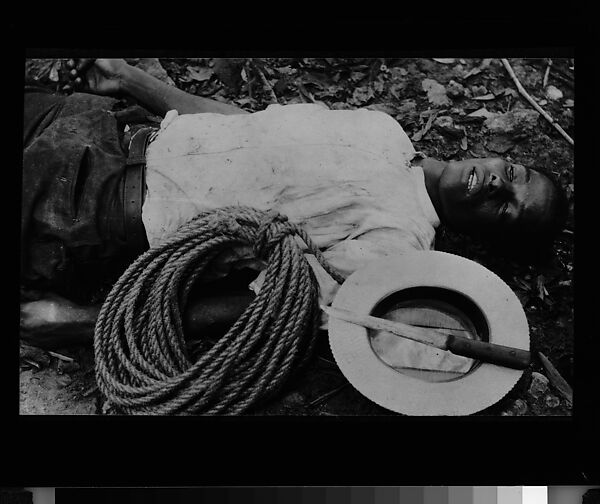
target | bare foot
[{"x": 54, "y": 322}]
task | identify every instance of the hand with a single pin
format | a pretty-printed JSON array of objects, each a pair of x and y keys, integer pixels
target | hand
[
  {"x": 54, "y": 322},
  {"x": 97, "y": 76}
]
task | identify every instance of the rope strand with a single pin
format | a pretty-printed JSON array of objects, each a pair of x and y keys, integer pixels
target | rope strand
[{"x": 143, "y": 365}]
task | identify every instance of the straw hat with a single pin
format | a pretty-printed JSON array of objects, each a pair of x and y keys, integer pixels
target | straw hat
[{"x": 355, "y": 347}]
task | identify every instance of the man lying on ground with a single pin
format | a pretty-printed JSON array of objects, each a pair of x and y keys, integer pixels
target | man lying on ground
[{"x": 351, "y": 178}]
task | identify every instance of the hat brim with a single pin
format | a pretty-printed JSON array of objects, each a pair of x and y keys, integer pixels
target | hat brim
[{"x": 482, "y": 387}]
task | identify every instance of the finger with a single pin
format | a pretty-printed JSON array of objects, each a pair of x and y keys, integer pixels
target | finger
[
  {"x": 75, "y": 81},
  {"x": 71, "y": 76},
  {"x": 71, "y": 86},
  {"x": 85, "y": 64}
]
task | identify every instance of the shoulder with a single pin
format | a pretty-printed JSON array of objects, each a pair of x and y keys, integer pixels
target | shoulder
[
  {"x": 322, "y": 109},
  {"x": 374, "y": 120},
  {"x": 380, "y": 117}
]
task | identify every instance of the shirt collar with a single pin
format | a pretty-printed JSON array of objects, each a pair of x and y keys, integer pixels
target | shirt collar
[{"x": 424, "y": 198}]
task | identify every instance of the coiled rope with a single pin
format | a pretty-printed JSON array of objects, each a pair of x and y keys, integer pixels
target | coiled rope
[{"x": 142, "y": 363}]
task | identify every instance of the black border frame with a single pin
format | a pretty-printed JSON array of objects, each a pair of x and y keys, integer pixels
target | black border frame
[{"x": 120, "y": 451}]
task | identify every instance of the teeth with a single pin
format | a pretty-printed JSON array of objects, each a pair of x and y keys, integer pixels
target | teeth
[{"x": 472, "y": 180}]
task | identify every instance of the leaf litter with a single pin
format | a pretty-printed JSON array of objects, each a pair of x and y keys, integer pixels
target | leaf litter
[{"x": 416, "y": 92}]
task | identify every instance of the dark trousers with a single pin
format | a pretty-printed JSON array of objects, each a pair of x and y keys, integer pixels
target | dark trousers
[{"x": 72, "y": 232}]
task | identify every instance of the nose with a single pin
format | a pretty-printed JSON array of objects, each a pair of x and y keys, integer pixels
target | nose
[{"x": 496, "y": 185}]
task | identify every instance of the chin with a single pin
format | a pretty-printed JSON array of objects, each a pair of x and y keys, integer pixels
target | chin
[
  {"x": 453, "y": 198},
  {"x": 451, "y": 181}
]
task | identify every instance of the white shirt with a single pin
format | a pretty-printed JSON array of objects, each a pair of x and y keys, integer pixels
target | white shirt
[{"x": 344, "y": 175}]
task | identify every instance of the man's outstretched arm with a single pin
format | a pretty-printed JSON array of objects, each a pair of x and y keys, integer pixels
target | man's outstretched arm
[{"x": 117, "y": 77}]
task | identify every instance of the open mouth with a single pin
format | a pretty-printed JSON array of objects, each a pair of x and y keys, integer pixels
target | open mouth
[{"x": 473, "y": 181}]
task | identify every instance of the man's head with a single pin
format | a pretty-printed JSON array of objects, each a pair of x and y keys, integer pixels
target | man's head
[{"x": 495, "y": 198}]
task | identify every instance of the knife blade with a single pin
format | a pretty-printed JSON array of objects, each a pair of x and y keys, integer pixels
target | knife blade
[{"x": 491, "y": 353}]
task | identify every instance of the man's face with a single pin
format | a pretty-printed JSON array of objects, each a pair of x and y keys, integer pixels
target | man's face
[{"x": 480, "y": 195}]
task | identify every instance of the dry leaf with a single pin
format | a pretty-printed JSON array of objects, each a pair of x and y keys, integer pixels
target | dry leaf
[
  {"x": 154, "y": 68},
  {"x": 455, "y": 89},
  {"x": 417, "y": 136},
  {"x": 420, "y": 134},
  {"x": 362, "y": 95},
  {"x": 522, "y": 284},
  {"x": 436, "y": 93},
  {"x": 286, "y": 70},
  {"x": 387, "y": 108},
  {"x": 54, "y": 71},
  {"x": 482, "y": 112},
  {"x": 244, "y": 101},
  {"x": 541, "y": 288},
  {"x": 473, "y": 71},
  {"x": 553, "y": 93},
  {"x": 500, "y": 144},
  {"x": 202, "y": 74}
]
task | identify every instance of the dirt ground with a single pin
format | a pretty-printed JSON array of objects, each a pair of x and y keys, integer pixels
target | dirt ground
[{"x": 450, "y": 110}]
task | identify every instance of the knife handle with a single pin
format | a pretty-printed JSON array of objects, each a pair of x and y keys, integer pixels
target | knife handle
[{"x": 500, "y": 355}]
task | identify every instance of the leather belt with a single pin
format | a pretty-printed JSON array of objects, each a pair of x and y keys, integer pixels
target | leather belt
[{"x": 134, "y": 191}]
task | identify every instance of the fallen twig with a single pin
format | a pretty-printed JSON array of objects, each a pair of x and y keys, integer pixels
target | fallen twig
[
  {"x": 559, "y": 383},
  {"x": 88, "y": 392},
  {"x": 562, "y": 79},
  {"x": 304, "y": 93},
  {"x": 422, "y": 132},
  {"x": 327, "y": 361},
  {"x": 266, "y": 84},
  {"x": 565, "y": 75},
  {"x": 248, "y": 79},
  {"x": 526, "y": 95},
  {"x": 327, "y": 395},
  {"x": 546, "y": 73},
  {"x": 31, "y": 362},
  {"x": 61, "y": 356}
]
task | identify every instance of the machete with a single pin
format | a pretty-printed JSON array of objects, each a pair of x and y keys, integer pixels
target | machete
[{"x": 491, "y": 353}]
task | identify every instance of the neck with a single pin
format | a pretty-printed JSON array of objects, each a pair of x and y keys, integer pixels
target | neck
[{"x": 432, "y": 169}]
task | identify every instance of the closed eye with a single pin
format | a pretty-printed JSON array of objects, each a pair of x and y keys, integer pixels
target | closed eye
[{"x": 510, "y": 172}]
